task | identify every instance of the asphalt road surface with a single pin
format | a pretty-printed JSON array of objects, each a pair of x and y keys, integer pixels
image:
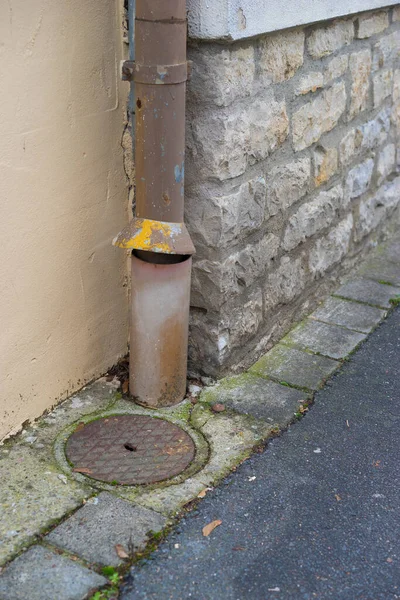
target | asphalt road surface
[{"x": 317, "y": 515}]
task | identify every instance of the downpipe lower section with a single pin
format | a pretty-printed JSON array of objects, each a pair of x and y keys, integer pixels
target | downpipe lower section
[{"x": 159, "y": 328}]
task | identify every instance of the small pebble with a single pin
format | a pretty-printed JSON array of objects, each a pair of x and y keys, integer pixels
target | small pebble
[
  {"x": 194, "y": 390},
  {"x": 218, "y": 408},
  {"x": 207, "y": 381},
  {"x": 31, "y": 439}
]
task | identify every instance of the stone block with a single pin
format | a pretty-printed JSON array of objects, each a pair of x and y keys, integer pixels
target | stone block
[
  {"x": 396, "y": 13},
  {"x": 217, "y": 143},
  {"x": 374, "y": 132},
  {"x": 325, "y": 40},
  {"x": 285, "y": 283},
  {"x": 204, "y": 342},
  {"x": 295, "y": 367},
  {"x": 328, "y": 340},
  {"x": 215, "y": 282},
  {"x": 359, "y": 317},
  {"x": 386, "y": 162},
  {"x": 371, "y": 23},
  {"x": 93, "y": 531},
  {"x": 373, "y": 210},
  {"x": 386, "y": 50},
  {"x": 258, "y": 397},
  {"x": 309, "y": 83},
  {"x": 325, "y": 164},
  {"x": 330, "y": 249},
  {"x": 396, "y": 85},
  {"x": 370, "y": 214},
  {"x": 313, "y": 216},
  {"x": 240, "y": 323},
  {"x": 359, "y": 179},
  {"x": 365, "y": 137},
  {"x": 221, "y": 74},
  {"x": 396, "y": 117},
  {"x": 390, "y": 194},
  {"x": 216, "y": 221},
  {"x": 360, "y": 68},
  {"x": 347, "y": 147},
  {"x": 268, "y": 128},
  {"x": 281, "y": 55},
  {"x": 225, "y": 143},
  {"x": 286, "y": 184},
  {"x": 382, "y": 86},
  {"x": 336, "y": 68},
  {"x": 40, "y": 574},
  {"x": 369, "y": 292},
  {"x": 318, "y": 116}
]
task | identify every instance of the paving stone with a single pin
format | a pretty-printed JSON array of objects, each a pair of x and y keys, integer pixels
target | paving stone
[
  {"x": 258, "y": 397},
  {"x": 329, "y": 340},
  {"x": 170, "y": 500},
  {"x": 381, "y": 270},
  {"x": 352, "y": 315},
  {"x": 231, "y": 439},
  {"x": 40, "y": 574},
  {"x": 369, "y": 292},
  {"x": 94, "y": 530},
  {"x": 32, "y": 495},
  {"x": 295, "y": 367}
]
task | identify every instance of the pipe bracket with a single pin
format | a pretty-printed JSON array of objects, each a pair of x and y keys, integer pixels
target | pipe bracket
[
  {"x": 156, "y": 74},
  {"x": 155, "y": 236}
]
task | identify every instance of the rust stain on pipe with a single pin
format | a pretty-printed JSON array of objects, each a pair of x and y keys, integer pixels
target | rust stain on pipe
[{"x": 159, "y": 332}]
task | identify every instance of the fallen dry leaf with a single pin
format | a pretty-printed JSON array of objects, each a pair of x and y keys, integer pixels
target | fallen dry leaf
[
  {"x": 338, "y": 498},
  {"x": 125, "y": 387},
  {"x": 82, "y": 470},
  {"x": 203, "y": 493},
  {"x": 210, "y": 527},
  {"x": 120, "y": 550},
  {"x": 80, "y": 427}
]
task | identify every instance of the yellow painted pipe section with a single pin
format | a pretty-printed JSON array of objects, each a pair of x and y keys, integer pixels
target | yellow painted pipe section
[{"x": 155, "y": 236}]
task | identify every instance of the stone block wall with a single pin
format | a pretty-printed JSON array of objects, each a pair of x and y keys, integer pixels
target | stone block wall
[{"x": 292, "y": 171}]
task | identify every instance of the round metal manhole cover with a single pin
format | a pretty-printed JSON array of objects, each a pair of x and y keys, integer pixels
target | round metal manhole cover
[{"x": 130, "y": 449}]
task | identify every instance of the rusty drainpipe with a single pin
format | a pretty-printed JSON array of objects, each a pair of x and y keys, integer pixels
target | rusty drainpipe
[{"x": 160, "y": 244}]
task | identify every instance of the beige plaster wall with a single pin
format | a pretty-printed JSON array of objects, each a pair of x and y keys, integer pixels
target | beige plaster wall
[{"x": 63, "y": 305}]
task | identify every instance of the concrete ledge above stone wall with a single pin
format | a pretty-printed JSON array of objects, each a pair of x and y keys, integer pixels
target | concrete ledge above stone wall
[
  {"x": 240, "y": 19},
  {"x": 292, "y": 173}
]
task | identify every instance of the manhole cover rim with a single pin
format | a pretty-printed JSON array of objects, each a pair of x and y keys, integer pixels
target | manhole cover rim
[{"x": 190, "y": 453}]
